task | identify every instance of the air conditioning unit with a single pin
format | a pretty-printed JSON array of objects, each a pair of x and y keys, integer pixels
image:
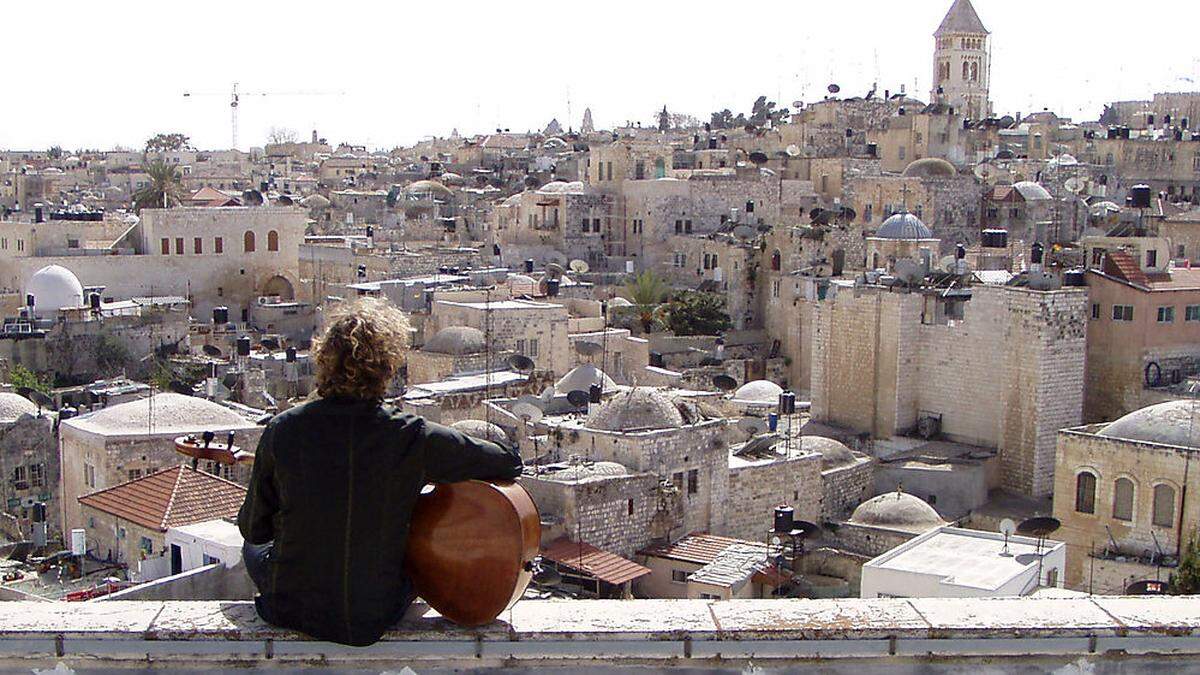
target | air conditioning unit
[{"x": 929, "y": 426}]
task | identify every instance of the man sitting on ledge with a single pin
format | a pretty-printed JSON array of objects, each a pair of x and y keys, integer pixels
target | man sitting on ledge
[{"x": 335, "y": 480}]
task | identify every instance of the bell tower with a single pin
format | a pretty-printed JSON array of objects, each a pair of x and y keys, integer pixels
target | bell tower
[{"x": 962, "y": 62}]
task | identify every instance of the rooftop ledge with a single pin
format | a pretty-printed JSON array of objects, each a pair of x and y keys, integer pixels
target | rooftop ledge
[{"x": 599, "y": 633}]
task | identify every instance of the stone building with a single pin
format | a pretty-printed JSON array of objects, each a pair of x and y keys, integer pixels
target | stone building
[
  {"x": 947, "y": 203},
  {"x": 29, "y": 467},
  {"x": 1121, "y": 492},
  {"x": 994, "y": 366},
  {"x": 884, "y": 522},
  {"x": 1023, "y": 209},
  {"x": 902, "y": 237},
  {"x": 557, "y": 222},
  {"x": 129, "y": 440},
  {"x": 962, "y": 62},
  {"x": 531, "y": 328}
]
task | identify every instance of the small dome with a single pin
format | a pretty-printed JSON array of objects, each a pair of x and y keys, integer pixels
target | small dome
[
  {"x": 452, "y": 178},
  {"x": 1064, "y": 159},
  {"x": 1104, "y": 208},
  {"x": 619, "y": 302},
  {"x": 481, "y": 429},
  {"x": 54, "y": 287},
  {"x": 582, "y": 378},
  {"x": 903, "y": 226},
  {"x": 315, "y": 202},
  {"x": 637, "y": 409},
  {"x": 12, "y": 406},
  {"x": 758, "y": 393},
  {"x": 1171, "y": 423},
  {"x": 1031, "y": 191},
  {"x": 520, "y": 279},
  {"x": 561, "y": 187},
  {"x": 456, "y": 340},
  {"x": 833, "y": 453},
  {"x": 171, "y": 414},
  {"x": 897, "y": 510},
  {"x": 930, "y": 167},
  {"x": 428, "y": 187}
]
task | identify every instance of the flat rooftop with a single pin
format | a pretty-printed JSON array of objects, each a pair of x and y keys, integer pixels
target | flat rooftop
[{"x": 963, "y": 557}]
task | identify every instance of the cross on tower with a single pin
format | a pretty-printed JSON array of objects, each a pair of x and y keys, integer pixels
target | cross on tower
[{"x": 904, "y": 197}]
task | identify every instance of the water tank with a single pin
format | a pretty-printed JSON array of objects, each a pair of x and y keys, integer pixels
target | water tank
[
  {"x": 243, "y": 346},
  {"x": 1073, "y": 278},
  {"x": 1141, "y": 196},
  {"x": 785, "y": 519},
  {"x": 656, "y": 359},
  {"x": 529, "y": 265},
  {"x": 220, "y": 315},
  {"x": 787, "y": 403},
  {"x": 290, "y": 354},
  {"x": 78, "y": 542},
  {"x": 552, "y": 286}
]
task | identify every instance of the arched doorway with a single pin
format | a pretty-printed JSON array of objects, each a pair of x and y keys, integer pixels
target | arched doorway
[{"x": 279, "y": 286}]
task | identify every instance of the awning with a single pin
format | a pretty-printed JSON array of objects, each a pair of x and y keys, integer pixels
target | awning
[{"x": 607, "y": 567}]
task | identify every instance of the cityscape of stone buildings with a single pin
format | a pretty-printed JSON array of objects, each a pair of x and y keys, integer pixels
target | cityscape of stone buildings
[{"x": 907, "y": 329}]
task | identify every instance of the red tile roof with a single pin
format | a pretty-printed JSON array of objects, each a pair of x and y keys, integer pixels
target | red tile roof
[
  {"x": 1121, "y": 265},
  {"x": 1179, "y": 279},
  {"x": 699, "y": 547},
  {"x": 170, "y": 498},
  {"x": 605, "y": 566}
]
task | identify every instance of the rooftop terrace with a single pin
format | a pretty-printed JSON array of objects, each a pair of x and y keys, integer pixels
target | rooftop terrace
[{"x": 942, "y": 635}]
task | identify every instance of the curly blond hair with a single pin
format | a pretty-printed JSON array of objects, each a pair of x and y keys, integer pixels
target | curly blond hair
[{"x": 362, "y": 348}]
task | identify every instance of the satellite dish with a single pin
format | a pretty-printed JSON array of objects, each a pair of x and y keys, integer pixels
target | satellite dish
[
  {"x": 752, "y": 425},
  {"x": 724, "y": 382},
  {"x": 211, "y": 350},
  {"x": 793, "y": 150},
  {"x": 804, "y": 528},
  {"x": 579, "y": 266},
  {"x": 577, "y": 398},
  {"x": 520, "y": 362},
  {"x": 554, "y": 271},
  {"x": 180, "y": 387},
  {"x": 1075, "y": 185},
  {"x": 759, "y": 157},
  {"x": 1038, "y": 527},
  {"x": 527, "y": 411},
  {"x": 42, "y": 400},
  {"x": 765, "y": 228},
  {"x": 1007, "y": 527},
  {"x": 230, "y": 380},
  {"x": 586, "y": 348},
  {"x": 833, "y": 88},
  {"x": 743, "y": 232}
]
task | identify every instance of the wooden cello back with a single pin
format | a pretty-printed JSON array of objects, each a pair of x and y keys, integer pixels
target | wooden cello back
[{"x": 471, "y": 547}]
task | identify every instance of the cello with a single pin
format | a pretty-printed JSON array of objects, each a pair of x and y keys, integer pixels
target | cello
[{"x": 471, "y": 545}]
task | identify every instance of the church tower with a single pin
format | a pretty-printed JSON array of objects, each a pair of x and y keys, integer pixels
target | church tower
[{"x": 961, "y": 62}]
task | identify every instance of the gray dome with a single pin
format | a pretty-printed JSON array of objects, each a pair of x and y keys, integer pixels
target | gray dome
[
  {"x": 1031, "y": 191},
  {"x": 930, "y": 167},
  {"x": 636, "y": 409},
  {"x": 172, "y": 414},
  {"x": 758, "y": 393},
  {"x": 12, "y": 406},
  {"x": 315, "y": 201},
  {"x": 456, "y": 340},
  {"x": 903, "y": 226},
  {"x": 897, "y": 510},
  {"x": 430, "y": 187},
  {"x": 582, "y": 378},
  {"x": 833, "y": 453},
  {"x": 1170, "y": 423},
  {"x": 481, "y": 429}
]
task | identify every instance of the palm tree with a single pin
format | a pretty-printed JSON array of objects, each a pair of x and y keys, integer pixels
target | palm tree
[
  {"x": 647, "y": 291},
  {"x": 164, "y": 190}
]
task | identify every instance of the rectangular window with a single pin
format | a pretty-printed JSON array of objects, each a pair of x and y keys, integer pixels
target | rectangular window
[
  {"x": 146, "y": 545},
  {"x": 687, "y": 227},
  {"x": 166, "y": 246},
  {"x": 1151, "y": 258},
  {"x": 18, "y": 476},
  {"x": 533, "y": 347},
  {"x": 1191, "y": 313},
  {"x": 218, "y": 245},
  {"x": 521, "y": 347},
  {"x": 678, "y": 227},
  {"x": 134, "y": 474},
  {"x": 679, "y": 576},
  {"x": 629, "y": 508},
  {"x": 677, "y": 480},
  {"x": 178, "y": 245},
  {"x": 586, "y": 225},
  {"x": 197, "y": 246},
  {"x": 596, "y": 225},
  {"x": 37, "y": 474},
  {"x": 1166, "y": 314},
  {"x": 693, "y": 481},
  {"x": 1122, "y": 312},
  {"x": 210, "y": 560},
  {"x": 1095, "y": 310}
]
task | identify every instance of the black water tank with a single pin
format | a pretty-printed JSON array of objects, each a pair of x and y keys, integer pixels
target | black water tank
[
  {"x": 872, "y": 150},
  {"x": 594, "y": 392},
  {"x": 94, "y": 301},
  {"x": 1141, "y": 196},
  {"x": 1038, "y": 249},
  {"x": 528, "y": 265},
  {"x": 787, "y": 403},
  {"x": 370, "y": 232},
  {"x": 290, "y": 354},
  {"x": 220, "y": 316},
  {"x": 656, "y": 359},
  {"x": 243, "y": 346},
  {"x": 29, "y": 299},
  {"x": 1074, "y": 278},
  {"x": 39, "y": 215},
  {"x": 552, "y": 287},
  {"x": 785, "y": 519}
]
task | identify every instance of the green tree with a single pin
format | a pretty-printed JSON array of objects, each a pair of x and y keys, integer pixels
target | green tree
[
  {"x": 112, "y": 356},
  {"x": 164, "y": 190},
  {"x": 55, "y": 152},
  {"x": 20, "y": 376},
  {"x": 167, "y": 143},
  {"x": 1186, "y": 580},
  {"x": 697, "y": 313},
  {"x": 647, "y": 291}
]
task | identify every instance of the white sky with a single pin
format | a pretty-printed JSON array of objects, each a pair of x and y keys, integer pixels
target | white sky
[{"x": 97, "y": 74}]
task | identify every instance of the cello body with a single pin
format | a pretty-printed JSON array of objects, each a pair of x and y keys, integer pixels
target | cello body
[{"x": 471, "y": 547}]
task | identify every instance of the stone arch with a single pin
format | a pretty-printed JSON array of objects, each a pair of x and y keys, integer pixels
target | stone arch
[
  {"x": 280, "y": 286},
  {"x": 248, "y": 242},
  {"x": 272, "y": 240}
]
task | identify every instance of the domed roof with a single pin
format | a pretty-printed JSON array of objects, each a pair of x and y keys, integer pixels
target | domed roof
[
  {"x": 457, "y": 340},
  {"x": 903, "y": 226},
  {"x": 833, "y": 453},
  {"x": 620, "y": 302},
  {"x": 1170, "y": 423},
  {"x": 481, "y": 429},
  {"x": 452, "y": 178},
  {"x": 636, "y": 409},
  {"x": 54, "y": 287},
  {"x": 1031, "y": 191},
  {"x": 897, "y": 510},
  {"x": 314, "y": 201},
  {"x": 429, "y": 186},
  {"x": 561, "y": 187},
  {"x": 1064, "y": 159},
  {"x": 12, "y": 406},
  {"x": 758, "y": 392},
  {"x": 520, "y": 279},
  {"x": 930, "y": 167},
  {"x": 172, "y": 414},
  {"x": 581, "y": 378}
]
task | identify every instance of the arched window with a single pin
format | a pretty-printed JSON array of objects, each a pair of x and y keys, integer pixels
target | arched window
[
  {"x": 1085, "y": 492},
  {"x": 272, "y": 241},
  {"x": 974, "y": 71},
  {"x": 248, "y": 242},
  {"x": 1123, "y": 499},
  {"x": 776, "y": 260},
  {"x": 966, "y": 71},
  {"x": 1164, "y": 505}
]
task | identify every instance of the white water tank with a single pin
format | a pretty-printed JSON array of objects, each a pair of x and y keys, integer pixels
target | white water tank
[{"x": 78, "y": 542}]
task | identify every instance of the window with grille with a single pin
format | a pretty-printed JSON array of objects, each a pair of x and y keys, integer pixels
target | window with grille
[{"x": 1085, "y": 492}]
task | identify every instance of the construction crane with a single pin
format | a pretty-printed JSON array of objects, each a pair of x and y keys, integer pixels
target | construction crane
[{"x": 234, "y": 100}]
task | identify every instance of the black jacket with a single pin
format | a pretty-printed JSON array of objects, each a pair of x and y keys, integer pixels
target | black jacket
[{"x": 334, "y": 485}]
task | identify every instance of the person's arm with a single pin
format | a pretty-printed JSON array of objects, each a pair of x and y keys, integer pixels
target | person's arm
[
  {"x": 451, "y": 456},
  {"x": 262, "y": 499}
]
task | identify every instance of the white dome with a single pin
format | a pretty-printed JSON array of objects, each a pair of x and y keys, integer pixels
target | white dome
[
  {"x": 758, "y": 393},
  {"x": 53, "y": 288},
  {"x": 1171, "y": 423},
  {"x": 481, "y": 429},
  {"x": 12, "y": 406},
  {"x": 173, "y": 414},
  {"x": 897, "y": 510},
  {"x": 582, "y": 378},
  {"x": 636, "y": 409},
  {"x": 1031, "y": 191}
]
